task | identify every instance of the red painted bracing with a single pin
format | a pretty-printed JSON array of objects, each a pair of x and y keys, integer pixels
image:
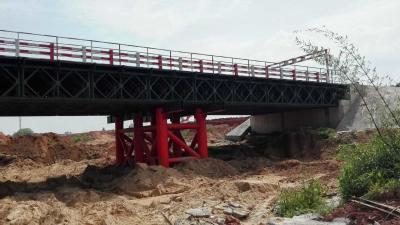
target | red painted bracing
[{"x": 161, "y": 142}]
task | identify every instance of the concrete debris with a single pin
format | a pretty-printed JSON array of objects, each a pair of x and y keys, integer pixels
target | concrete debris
[
  {"x": 228, "y": 220},
  {"x": 306, "y": 219},
  {"x": 236, "y": 212},
  {"x": 199, "y": 212},
  {"x": 239, "y": 132}
]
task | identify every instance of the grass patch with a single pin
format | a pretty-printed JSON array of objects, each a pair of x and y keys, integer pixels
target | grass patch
[
  {"x": 369, "y": 168},
  {"x": 307, "y": 199}
]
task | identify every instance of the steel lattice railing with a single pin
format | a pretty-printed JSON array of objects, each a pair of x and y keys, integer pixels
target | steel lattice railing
[{"x": 54, "y": 48}]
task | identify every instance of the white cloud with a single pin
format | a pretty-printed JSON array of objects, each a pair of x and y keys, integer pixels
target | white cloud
[{"x": 148, "y": 19}]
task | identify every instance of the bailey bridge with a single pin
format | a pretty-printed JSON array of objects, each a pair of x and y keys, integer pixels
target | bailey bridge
[{"x": 44, "y": 75}]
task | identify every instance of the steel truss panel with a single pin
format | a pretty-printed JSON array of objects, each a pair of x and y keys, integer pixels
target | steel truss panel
[{"x": 86, "y": 89}]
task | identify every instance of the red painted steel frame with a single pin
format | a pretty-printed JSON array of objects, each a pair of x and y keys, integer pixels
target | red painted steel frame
[{"x": 161, "y": 142}]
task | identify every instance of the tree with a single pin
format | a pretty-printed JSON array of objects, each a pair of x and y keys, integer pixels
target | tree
[
  {"x": 23, "y": 132},
  {"x": 352, "y": 68}
]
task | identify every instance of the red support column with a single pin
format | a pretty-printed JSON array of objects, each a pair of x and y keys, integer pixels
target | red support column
[
  {"x": 119, "y": 151},
  {"x": 317, "y": 77},
  {"x": 111, "y": 53},
  {"x": 162, "y": 138},
  {"x": 201, "y": 65},
  {"x": 176, "y": 149},
  {"x": 159, "y": 59},
  {"x": 138, "y": 138},
  {"x": 294, "y": 74},
  {"x": 51, "y": 46},
  {"x": 235, "y": 70},
  {"x": 267, "y": 72},
  {"x": 201, "y": 133}
]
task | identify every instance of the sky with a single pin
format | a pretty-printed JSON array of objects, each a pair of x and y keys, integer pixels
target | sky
[{"x": 258, "y": 29}]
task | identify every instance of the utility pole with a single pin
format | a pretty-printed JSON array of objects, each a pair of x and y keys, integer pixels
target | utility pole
[{"x": 20, "y": 122}]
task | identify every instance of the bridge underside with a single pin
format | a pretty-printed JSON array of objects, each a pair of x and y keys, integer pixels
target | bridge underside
[{"x": 35, "y": 87}]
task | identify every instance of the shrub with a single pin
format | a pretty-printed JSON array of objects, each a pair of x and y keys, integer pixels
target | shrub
[
  {"x": 81, "y": 138},
  {"x": 368, "y": 168},
  {"x": 345, "y": 151},
  {"x": 324, "y": 133},
  {"x": 307, "y": 199},
  {"x": 23, "y": 132}
]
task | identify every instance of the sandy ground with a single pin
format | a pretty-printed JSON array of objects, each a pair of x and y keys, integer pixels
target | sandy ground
[{"x": 52, "y": 179}]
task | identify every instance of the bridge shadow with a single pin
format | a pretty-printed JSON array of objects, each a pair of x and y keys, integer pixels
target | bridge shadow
[
  {"x": 266, "y": 150},
  {"x": 93, "y": 177}
]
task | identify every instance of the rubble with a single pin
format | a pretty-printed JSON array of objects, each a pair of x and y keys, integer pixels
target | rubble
[
  {"x": 237, "y": 213},
  {"x": 236, "y": 210},
  {"x": 199, "y": 212},
  {"x": 306, "y": 219}
]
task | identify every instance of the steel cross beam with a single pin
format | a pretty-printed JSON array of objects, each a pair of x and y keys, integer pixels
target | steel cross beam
[{"x": 299, "y": 59}]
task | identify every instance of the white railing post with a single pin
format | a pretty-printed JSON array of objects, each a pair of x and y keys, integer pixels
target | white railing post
[
  {"x": 327, "y": 76},
  {"x": 147, "y": 56},
  {"x": 91, "y": 51},
  {"x": 83, "y": 54},
  {"x": 119, "y": 54},
  {"x": 137, "y": 56},
  {"x": 307, "y": 75},
  {"x": 212, "y": 62},
  {"x": 17, "y": 47},
  {"x": 180, "y": 63},
  {"x": 191, "y": 61},
  {"x": 219, "y": 68},
  {"x": 248, "y": 67}
]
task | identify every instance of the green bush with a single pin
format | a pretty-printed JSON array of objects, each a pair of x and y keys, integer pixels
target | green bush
[
  {"x": 368, "y": 167},
  {"x": 307, "y": 199},
  {"x": 81, "y": 138},
  {"x": 23, "y": 132},
  {"x": 345, "y": 151},
  {"x": 324, "y": 133}
]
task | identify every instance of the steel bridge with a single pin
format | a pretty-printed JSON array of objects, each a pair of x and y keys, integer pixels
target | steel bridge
[{"x": 51, "y": 75}]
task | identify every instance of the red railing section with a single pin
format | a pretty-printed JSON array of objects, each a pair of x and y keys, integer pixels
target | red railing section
[{"x": 22, "y": 44}]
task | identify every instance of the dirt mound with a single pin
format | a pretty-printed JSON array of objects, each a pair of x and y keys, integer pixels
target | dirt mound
[
  {"x": 208, "y": 167},
  {"x": 4, "y": 139},
  {"x": 146, "y": 181},
  {"x": 46, "y": 148}
]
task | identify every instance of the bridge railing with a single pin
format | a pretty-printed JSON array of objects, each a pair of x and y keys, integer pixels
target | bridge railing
[{"x": 22, "y": 44}]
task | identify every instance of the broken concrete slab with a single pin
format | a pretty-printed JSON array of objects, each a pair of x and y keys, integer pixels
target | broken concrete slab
[
  {"x": 239, "y": 132},
  {"x": 237, "y": 212},
  {"x": 199, "y": 212}
]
